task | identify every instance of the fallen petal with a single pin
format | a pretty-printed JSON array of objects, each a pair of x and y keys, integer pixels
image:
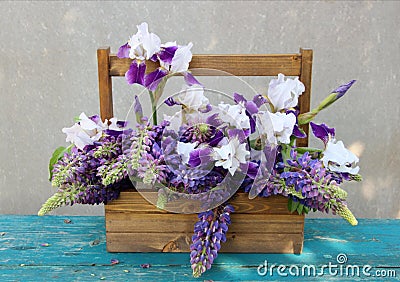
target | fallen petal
[{"x": 145, "y": 265}]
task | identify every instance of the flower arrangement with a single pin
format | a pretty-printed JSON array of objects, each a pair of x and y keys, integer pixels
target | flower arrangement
[{"x": 204, "y": 152}]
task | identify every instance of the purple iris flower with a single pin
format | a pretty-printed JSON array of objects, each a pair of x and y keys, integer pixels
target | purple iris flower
[
  {"x": 190, "y": 79},
  {"x": 298, "y": 133},
  {"x": 241, "y": 134},
  {"x": 171, "y": 102},
  {"x": 152, "y": 79},
  {"x": 214, "y": 120},
  {"x": 251, "y": 169},
  {"x": 251, "y": 109},
  {"x": 123, "y": 51},
  {"x": 136, "y": 72},
  {"x": 259, "y": 100},
  {"x": 214, "y": 141},
  {"x": 95, "y": 118},
  {"x": 342, "y": 89},
  {"x": 200, "y": 156},
  {"x": 167, "y": 53},
  {"x": 322, "y": 131}
]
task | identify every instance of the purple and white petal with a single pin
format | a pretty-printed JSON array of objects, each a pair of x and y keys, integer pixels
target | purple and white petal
[
  {"x": 259, "y": 100},
  {"x": 240, "y": 134},
  {"x": 167, "y": 53},
  {"x": 123, "y": 51},
  {"x": 183, "y": 56},
  {"x": 216, "y": 139},
  {"x": 200, "y": 156},
  {"x": 298, "y": 133},
  {"x": 136, "y": 73},
  {"x": 171, "y": 102},
  {"x": 214, "y": 120},
  {"x": 152, "y": 79},
  {"x": 190, "y": 79},
  {"x": 239, "y": 98}
]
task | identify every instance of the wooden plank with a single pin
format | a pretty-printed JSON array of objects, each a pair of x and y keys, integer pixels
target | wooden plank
[
  {"x": 180, "y": 242},
  {"x": 130, "y": 201},
  {"x": 242, "y": 223},
  {"x": 131, "y": 217},
  {"x": 305, "y": 98},
  {"x": 105, "y": 83},
  {"x": 239, "y": 65}
]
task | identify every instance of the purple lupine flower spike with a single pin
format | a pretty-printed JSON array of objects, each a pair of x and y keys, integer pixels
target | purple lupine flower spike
[
  {"x": 209, "y": 232},
  {"x": 322, "y": 131},
  {"x": 342, "y": 89}
]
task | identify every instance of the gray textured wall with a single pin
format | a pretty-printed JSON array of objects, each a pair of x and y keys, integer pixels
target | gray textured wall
[{"x": 48, "y": 75}]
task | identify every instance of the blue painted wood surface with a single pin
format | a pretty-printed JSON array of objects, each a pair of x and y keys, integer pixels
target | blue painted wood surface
[{"x": 49, "y": 249}]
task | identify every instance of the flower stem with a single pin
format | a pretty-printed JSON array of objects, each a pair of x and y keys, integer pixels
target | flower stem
[{"x": 153, "y": 107}]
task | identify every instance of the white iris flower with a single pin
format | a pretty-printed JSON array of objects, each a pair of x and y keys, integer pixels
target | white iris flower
[
  {"x": 338, "y": 158},
  {"x": 231, "y": 155}
]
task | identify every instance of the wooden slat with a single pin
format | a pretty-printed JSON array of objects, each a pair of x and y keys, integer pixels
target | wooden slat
[
  {"x": 180, "y": 242},
  {"x": 241, "y": 223},
  {"x": 305, "y": 99},
  {"x": 105, "y": 83},
  {"x": 239, "y": 65},
  {"x": 130, "y": 201}
]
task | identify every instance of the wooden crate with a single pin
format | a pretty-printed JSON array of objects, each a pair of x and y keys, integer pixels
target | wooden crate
[{"x": 261, "y": 225}]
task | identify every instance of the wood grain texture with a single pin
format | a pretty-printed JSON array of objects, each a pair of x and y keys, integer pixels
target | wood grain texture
[
  {"x": 77, "y": 252},
  {"x": 105, "y": 83},
  {"x": 305, "y": 98},
  {"x": 131, "y": 201},
  {"x": 180, "y": 242},
  {"x": 239, "y": 65},
  {"x": 135, "y": 225}
]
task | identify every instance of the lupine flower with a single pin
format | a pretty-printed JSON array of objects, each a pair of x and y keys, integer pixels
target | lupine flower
[
  {"x": 209, "y": 232},
  {"x": 307, "y": 181}
]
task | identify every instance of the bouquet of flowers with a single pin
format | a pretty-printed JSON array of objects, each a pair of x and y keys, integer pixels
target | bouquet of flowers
[{"x": 204, "y": 153}]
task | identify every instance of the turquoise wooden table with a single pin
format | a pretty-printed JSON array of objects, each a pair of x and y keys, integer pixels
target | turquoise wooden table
[{"x": 63, "y": 248}]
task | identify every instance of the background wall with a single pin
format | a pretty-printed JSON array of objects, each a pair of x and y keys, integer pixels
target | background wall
[{"x": 48, "y": 75}]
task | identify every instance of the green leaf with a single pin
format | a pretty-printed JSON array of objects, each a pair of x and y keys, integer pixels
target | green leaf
[
  {"x": 57, "y": 154},
  {"x": 300, "y": 209},
  {"x": 292, "y": 205}
]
